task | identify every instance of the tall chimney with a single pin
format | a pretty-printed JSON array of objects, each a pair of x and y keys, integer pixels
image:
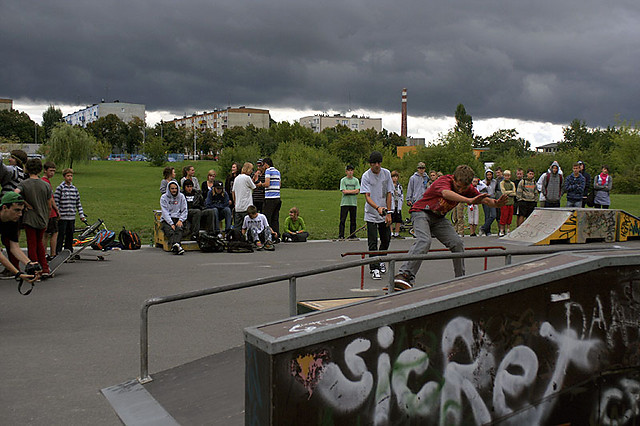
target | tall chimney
[{"x": 403, "y": 126}]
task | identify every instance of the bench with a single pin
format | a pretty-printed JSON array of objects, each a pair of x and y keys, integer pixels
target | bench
[{"x": 159, "y": 239}]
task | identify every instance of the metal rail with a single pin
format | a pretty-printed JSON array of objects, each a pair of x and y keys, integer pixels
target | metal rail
[
  {"x": 363, "y": 254},
  {"x": 293, "y": 276}
]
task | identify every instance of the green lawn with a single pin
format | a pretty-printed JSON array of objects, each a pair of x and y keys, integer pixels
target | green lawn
[{"x": 126, "y": 193}]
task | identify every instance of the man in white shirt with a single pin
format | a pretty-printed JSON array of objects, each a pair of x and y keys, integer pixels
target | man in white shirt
[{"x": 242, "y": 192}]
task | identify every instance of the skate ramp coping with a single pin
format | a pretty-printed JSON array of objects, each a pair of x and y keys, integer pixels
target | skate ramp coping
[{"x": 576, "y": 226}]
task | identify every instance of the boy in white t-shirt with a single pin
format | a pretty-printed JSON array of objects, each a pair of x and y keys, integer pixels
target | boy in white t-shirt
[{"x": 257, "y": 230}]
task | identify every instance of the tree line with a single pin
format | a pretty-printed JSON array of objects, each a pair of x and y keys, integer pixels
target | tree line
[{"x": 317, "y": 160}]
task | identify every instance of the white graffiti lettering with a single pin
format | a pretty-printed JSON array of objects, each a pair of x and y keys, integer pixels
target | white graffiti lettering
[{"x": 310, "y": 326}]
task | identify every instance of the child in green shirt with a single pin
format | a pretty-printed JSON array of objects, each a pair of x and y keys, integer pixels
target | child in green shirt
[{"x": 294, "y": 228}]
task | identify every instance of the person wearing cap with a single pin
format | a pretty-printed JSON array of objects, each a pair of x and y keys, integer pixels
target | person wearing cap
[
  {"x": 37, "y": 195},
  {"x": 219, "y": 205},
  {"x": 417, "y": 184},
  {"x": 258, "y": 180},
  {"x": 350, "y": 188},
  {"x": 10, "y": 176},
  {"x": 377, "y": 186},
  {"x": 11, "y": 209},
  {"x": 272, "y": 201}
]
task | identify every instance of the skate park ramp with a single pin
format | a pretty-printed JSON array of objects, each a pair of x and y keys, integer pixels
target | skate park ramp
[
  {"x": 574, "y": 225},
  {"x": 548, "y": 341}
]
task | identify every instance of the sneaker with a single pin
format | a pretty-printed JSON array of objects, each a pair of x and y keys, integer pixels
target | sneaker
[
  {"x": 400, "y": 237},
  {"x": 175, "y": 248},
  {"x": 180, "y": 250},
  {"x": 473, "y": 235},
  {"x": 6, "y": 273},
  {"x": 402, "y": 282},
  {"x": 481, "y": 233},
  {"x": 383, "y": 268},
  {"x": 268, "y": 246},
  {"x": 259, "y": 245},
  {"x": 354, "y": 238},
  {"x": 375, "y": 274},
  {"x": 500, "y": 234}
]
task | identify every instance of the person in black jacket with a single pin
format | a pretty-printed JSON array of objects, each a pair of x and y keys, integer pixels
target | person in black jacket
[
  {"x": 588, "y": 185},
  {"x": 219, "y": 204},
  {"x": 196, "y": 213}
]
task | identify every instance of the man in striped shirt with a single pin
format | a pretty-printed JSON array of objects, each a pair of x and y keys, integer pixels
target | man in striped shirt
[
  {"x": 67, "y": 198},
  {"x": 272, "y": 200}
]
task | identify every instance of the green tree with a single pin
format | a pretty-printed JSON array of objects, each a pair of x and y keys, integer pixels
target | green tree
[
  {"x": 625, "y": 158},
  {"x": 68, "y": 144},
  {"x": 18, "y": 125},
  {"x": 111, "y": 129},
  {"x": 51, "y": 118},
  {"x": 505, "y": 140},
  {"x": 155, "y": 149},
  {"x": 464, "y": 122},
  {"x": 135, "y": 134}
]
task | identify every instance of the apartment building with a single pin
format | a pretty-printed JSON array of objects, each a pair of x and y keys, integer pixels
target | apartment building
[
  {"x": 123, "y": 110},
  {"x": 319, "y": 122},
  {"x": 220, "y": 120}
]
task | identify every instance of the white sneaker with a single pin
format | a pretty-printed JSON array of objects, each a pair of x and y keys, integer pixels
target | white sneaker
[
  {"x": 375, "y": 274},
  {"x": 383, "y": 268}
]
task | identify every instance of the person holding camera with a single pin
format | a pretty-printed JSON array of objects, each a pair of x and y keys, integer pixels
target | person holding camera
[
  {"x": 377, "y": 186},
  {"x": 11, "y": 209}
]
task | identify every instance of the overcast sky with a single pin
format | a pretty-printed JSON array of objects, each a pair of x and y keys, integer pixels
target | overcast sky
[{"x": 537, "y": 64}]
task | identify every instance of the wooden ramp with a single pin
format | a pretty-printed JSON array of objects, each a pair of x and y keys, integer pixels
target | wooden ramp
[{"x": 573, "y": 225}]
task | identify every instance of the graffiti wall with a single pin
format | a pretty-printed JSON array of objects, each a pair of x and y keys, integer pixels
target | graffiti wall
[{"x": 563, "y": 352}]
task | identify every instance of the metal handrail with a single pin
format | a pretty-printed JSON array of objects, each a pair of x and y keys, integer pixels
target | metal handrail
[
  {"x": 362, "y": 255},
  {"x": 292, "y": 278}
]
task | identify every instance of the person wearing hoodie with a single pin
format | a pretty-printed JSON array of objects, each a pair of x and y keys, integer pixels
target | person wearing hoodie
[
  {"x": 489, "y": 211},
  {"x": 602, "y": 185},
  {"x": 527, "y": 194},
  {"x": 196, "y": 213},
  {"x": 218, "y": 203},
  {"x": 574, "y": 187},
  {"x": 417, "y": 184},
  {"x": 552, "y": 186},
  {"x": 174, "y": 209}
]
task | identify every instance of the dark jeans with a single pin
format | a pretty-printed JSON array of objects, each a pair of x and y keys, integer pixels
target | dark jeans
[
  {"x": 173, "y": 235},
  {"x": 351, "y": 211},
  {"x": 238, "y": 219},
  {"x": 65, "y": 234},
  {"x": 489, "y": 217},
  {"x": 272, "y": 212},
  {"x": 551, "y": 204},
  {"x": 373, "y": 230},
  {"x": 193, "y": 217},
  {"x": 218, "y": 215}
]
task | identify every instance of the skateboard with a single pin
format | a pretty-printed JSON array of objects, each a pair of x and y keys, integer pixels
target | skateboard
[{"x": 57, "y": 261}]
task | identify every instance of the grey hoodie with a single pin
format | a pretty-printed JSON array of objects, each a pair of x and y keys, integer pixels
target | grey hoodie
[
  {"x": 416, "y": 187},
  {"x": 173, "y": 206},
  {"x": 552, "y": 185}
]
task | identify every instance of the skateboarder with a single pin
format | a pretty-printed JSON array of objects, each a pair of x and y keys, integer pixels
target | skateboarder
[
  {"x": 11, "y": 208},
  {"x": 429, "y": 216}
]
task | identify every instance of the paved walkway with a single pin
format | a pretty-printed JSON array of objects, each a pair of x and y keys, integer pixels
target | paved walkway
[{"x": 79, "y": 332}]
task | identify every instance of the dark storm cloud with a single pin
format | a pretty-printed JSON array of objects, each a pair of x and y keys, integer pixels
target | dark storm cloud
[{"x": 551, "y": 61}]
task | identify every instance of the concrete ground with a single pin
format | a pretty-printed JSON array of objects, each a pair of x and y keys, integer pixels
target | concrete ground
[{"x": 78, "y": 332}]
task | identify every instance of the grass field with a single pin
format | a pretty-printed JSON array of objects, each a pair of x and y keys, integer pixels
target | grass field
[{"x": 126, "y": 193}]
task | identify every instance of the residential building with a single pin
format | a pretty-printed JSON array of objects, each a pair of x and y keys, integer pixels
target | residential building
[
  {"x": 220, "y": 120},
  {"x": 6, "y": 104},
  {"x": 319, "y": 122},
  {"x": 548, "y": 148},
  {"x": 123, "y": 110}
]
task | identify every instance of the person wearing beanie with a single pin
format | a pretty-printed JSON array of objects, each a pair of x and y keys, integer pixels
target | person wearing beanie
[
  {"x": 11, "y": 209},
  {"x": 377, "y": 186}
]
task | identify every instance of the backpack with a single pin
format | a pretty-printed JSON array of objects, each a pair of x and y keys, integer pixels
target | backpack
[
  {"x": 103, "y": 239},
  {"x": 236, "y": 243},
  {"x": 129, "y": 240},
  {"x": 210, "y": 243}
]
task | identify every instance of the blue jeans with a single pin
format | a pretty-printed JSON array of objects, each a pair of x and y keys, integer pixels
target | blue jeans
[
  {"x": 218, "y": 216},
  {"x": 489, "y": 217},
  {"x": 425, "y": 224},
  {"x": 577, "y": 203}
]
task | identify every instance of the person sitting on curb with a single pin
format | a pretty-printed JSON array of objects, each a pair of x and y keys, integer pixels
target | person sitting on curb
[
  {"x": 294, "y": 227},
  {"x": 429, "y": 216},
  {"x": 174, "y": 213},
  {"x": 11, "y": 208},
  {"x": 219, "y": 205},
  {"x": 257, "y": 230}
]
